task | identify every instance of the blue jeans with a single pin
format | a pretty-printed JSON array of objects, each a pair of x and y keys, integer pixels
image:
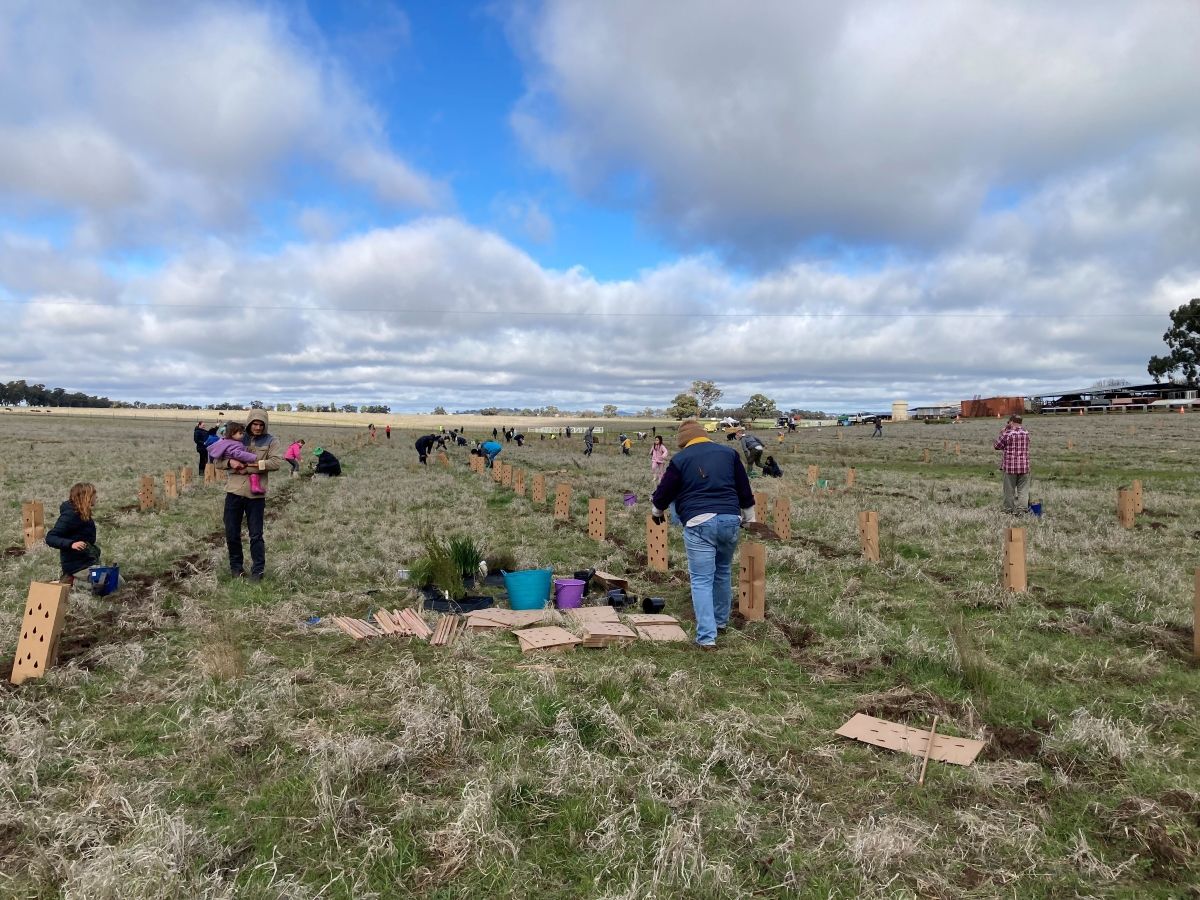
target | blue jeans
[{"x": 710, "y": 547}]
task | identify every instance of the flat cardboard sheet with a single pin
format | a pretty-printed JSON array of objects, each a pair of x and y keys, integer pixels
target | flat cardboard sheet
[
  {"x": 505, "y": 618},
  {"x": 549, "y": 638},
  {"x": 602, "y": 634},
  {"x": 651, "y": 619},
  {"x": 662, "y": 633},
  {"x": 894, "y": 736},
  {"x": 594, "y": 614}
]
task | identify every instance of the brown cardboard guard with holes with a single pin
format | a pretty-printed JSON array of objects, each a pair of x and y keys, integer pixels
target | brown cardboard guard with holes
[
  {"x": 894, "y": 736},
  {"x": 37, "y": 644},
  {"x": 549, "y": 638}
]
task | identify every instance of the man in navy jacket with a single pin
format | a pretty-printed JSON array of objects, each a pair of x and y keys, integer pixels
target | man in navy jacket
[{"x": 712, "y": 495}]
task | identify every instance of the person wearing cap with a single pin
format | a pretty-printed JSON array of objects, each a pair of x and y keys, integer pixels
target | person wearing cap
[
  {"x": 710, "y": 489},
  {"x": 327, "y": 463},
  {"x": 241, "y": 502}
]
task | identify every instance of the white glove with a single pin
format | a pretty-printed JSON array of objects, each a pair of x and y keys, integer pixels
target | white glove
[{"x": 748, "y": 515}]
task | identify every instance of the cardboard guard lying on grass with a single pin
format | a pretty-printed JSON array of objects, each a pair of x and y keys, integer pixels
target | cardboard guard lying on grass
[
  {"x": 894, "y": 736},
  {"x": 549, "y": 638}
]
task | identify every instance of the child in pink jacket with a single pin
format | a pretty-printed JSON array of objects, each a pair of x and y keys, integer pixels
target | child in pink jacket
[
  {"x": 231, "y": 448},
  {"x": 658, "y": 458},
  {"x": 295, "y": 452}
]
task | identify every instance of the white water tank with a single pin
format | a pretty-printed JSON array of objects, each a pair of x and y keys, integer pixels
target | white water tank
[{"x": 899, "y": 410}]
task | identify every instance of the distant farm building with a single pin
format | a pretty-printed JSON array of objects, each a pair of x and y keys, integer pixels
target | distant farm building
[
  {"x": 990, "y": 407},
  {"x": 947, "y": 411},
  {"x": 1126, "y": 398}
]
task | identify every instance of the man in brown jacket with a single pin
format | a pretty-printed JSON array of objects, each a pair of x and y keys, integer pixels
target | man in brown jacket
[{"x": 241, "y": 501}]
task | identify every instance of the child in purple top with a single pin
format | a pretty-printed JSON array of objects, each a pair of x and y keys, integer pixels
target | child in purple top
[{"x": 231, "y": 448}]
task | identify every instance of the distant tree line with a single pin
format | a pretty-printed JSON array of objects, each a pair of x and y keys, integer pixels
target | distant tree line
[{"x": 15, "y": 393}]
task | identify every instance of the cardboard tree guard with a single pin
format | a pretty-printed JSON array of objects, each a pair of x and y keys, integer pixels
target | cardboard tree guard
[
  {"x": 596, "y": 518},
  {"x": 656, "y": 545},
  {"x": 562, "y": 501},
  {"x": 752, "y": 581},
  {"x": 783, "y": 518},
  {"x": 41, "y": 625},
  {"x": 33, "y": 523},
  {"x": 539, "y": 488}
]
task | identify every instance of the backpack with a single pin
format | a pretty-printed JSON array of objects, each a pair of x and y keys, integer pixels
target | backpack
[{"x": 770, "y": 467}]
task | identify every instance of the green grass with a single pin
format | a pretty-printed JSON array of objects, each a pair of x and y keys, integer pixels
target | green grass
[{"x": 200, "y": 739}]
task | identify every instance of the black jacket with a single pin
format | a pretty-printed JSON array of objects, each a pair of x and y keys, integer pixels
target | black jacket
[
  {"x": 327, "y": 464},
  {"x": 67, "y": 530},
  {"x": 424, "y": 443}
]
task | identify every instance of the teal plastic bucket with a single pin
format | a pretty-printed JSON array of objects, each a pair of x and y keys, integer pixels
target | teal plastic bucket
[
  {"x": 568, "y": 593},
  {"x": 528, "y": 589}
]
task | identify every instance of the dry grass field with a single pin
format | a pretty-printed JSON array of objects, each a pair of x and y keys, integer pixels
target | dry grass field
[{"x": 201, "y": 739}]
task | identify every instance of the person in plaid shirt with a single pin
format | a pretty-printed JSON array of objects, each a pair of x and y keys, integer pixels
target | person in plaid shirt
[{"x": 1014, "y": 444}]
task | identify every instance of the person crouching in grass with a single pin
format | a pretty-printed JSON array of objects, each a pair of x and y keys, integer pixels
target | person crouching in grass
[{"x": 74, "y": 534}]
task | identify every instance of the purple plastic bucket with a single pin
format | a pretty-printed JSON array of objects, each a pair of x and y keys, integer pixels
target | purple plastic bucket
[
  {"x": 568, "y": 593},
  {"x": 631, "y": 499}
]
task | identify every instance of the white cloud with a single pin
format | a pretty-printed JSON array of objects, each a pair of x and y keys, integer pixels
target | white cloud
[
  {"x": 440, "y": 312},
  {"x": 135, "y": 115},
  {"x": 760, "y": 126}
]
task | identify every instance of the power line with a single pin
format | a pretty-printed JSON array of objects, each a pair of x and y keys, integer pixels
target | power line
[{"x": 586, "y": 315}]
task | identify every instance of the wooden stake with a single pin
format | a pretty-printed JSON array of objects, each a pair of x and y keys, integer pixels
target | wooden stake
[
  {"x": 1137, "y": 497},
  {"x": 1014, "y": 560},
  {"x": 562, "y": 502},
  {"x": 928, "y": 748},
  {"x": 783, "y": 518},
  {"x": 1070, "y": 444},
  {"x": 596, "y": 509},
  {"x": 868, "y": 535},
  {"x": 813, "y": 472},
  {"x": 752, "y": 581},
  {"x": 539, "y": 488},
  {"x": 957, "y": 449},
  {"x": 656, "y": 545},
  {"x": 1125, "y": 514},
  {"x": 33, "y": 522},
  {"x": 1196, "y": 618},
  {"x": 850, "y": 476},
  {"x": 925, "y": 456}
]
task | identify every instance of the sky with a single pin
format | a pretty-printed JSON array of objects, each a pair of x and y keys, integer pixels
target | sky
[{"x": 571, "y": 203}]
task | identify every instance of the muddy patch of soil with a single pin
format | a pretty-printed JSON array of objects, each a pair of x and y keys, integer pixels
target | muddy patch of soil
[
  {"x": 1012, "y": 742},
  {"x": 14, "y": 550},
  {"x": 762, "y": 531}
]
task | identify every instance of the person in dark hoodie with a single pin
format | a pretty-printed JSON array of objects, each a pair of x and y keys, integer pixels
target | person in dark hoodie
[
  {"x": 424, "y": 446},
  {"x": 242, "y": 503},
  {"x": 327, "y": 463},
  {"x": 74, "y": 534},
  {"x": 708, "y": 484},
  {"x": 201, "y": 436}
]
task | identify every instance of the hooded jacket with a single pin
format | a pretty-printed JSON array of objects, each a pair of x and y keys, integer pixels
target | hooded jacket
[
  {"x": 70, "y": 528},
  {"x": 265, "y": 447}
]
